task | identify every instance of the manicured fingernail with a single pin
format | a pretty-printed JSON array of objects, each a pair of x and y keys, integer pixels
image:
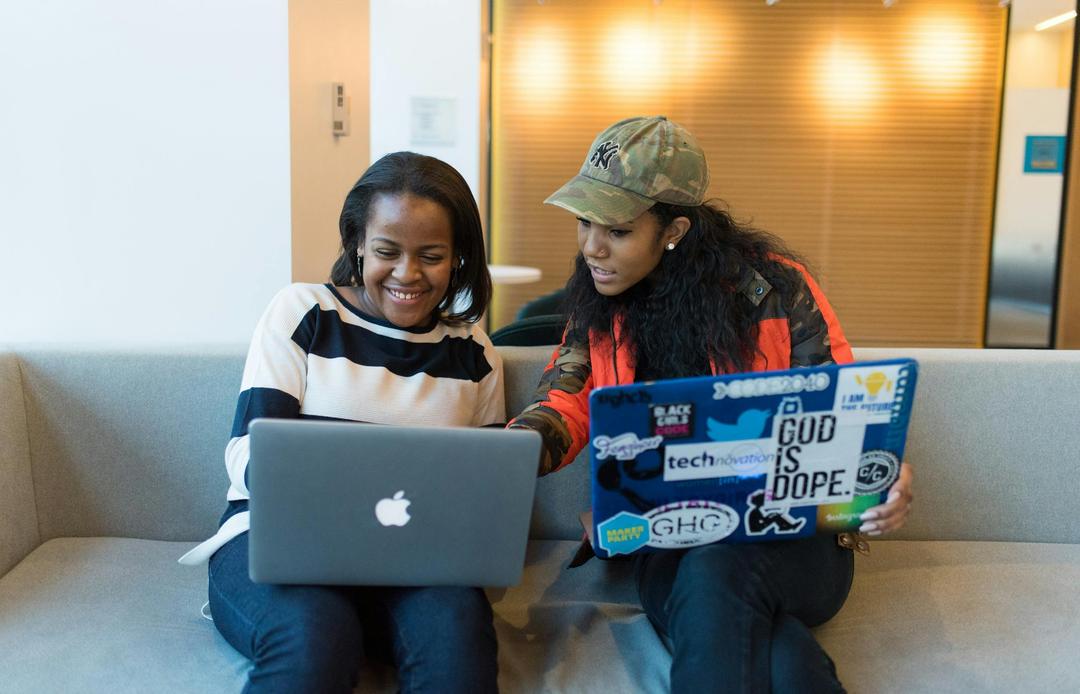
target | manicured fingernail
[
  {"x": 874, "y": 532},
  {"x": 867, "y": 527},
  {"x": 869, "y": 515}
]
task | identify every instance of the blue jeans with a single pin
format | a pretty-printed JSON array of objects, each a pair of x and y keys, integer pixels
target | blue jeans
[
  {"x": 311, "y": 638},
  {"x": 737, "y": 616}
]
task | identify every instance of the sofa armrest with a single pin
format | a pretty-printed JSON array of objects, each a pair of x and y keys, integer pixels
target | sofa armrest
[{"x": 18, "y": 510}]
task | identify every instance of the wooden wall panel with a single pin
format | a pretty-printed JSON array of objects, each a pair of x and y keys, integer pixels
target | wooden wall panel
[
  {"x": 1067, "y": 332},
  {"x": 865, "y": 136}
]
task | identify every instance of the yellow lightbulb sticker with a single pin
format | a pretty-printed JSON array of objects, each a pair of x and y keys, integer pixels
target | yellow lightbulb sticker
[{"x": 874, "y": 383}]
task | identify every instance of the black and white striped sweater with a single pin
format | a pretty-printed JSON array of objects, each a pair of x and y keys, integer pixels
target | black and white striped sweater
[{"x": 315, "y": 355}]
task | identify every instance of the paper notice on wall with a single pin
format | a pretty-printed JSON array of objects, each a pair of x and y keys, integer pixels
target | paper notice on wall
[{"x": 433, "y": 121}]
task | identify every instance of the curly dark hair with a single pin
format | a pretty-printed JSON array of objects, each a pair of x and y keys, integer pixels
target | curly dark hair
[
  {"x": 687, "y": 314},
  {"x": 435, "y": 180}
]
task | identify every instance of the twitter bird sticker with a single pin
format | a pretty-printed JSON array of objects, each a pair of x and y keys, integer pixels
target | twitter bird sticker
[{"x": 751, "y": 425}]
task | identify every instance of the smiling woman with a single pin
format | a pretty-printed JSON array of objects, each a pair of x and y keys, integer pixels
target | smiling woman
[{"x": 392, "y": 340}]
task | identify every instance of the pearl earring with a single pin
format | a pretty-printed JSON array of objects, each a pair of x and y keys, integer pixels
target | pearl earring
[{"x": 671, "y": 246}]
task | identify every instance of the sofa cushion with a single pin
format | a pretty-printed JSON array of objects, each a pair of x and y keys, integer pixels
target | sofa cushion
[
  {"x": 110, "y": 615},
  {"x": 119, "y": 615},
  {"x": 960, "y": 617},
  {"x": 130, "y": 444},
  {"x": 992, "y": 433},
  {"x": 18, "y": 510}
]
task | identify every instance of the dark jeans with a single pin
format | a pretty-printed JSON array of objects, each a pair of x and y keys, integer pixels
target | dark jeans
[
  {"x": 310, "y": 638},
  {"x": 737, "y": 617}
]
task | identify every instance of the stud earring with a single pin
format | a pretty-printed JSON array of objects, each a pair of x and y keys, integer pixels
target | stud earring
[{"x": 671, "y": 246}]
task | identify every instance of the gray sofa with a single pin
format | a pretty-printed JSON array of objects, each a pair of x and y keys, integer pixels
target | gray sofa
[{"x": 111, "y": 467}]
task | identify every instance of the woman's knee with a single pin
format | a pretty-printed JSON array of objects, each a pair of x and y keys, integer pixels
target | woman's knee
[
  {"x": 715, "y": 574},
  {"x": 444, "y": 639},
  {"x": 308, "y": 634},
  {"x": 446, "y": 611},
  {"x": 797, "y": 661}
]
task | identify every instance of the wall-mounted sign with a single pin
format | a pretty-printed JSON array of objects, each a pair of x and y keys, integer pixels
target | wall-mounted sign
[
  {"x": 434, "y": 121},
  {"x": 1044, "y": 154}
]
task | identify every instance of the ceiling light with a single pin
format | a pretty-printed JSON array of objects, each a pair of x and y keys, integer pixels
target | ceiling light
[{"x": 1054, "y": 21}]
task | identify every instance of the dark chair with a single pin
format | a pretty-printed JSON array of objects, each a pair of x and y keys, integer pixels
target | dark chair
[
  {"x": 535, "y": 330},
  {"x": 546, "y": 305}
]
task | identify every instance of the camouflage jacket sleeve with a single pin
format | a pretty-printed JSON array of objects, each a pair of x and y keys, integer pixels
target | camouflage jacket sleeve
[
  {"x": 560, "y": 408},
  {"x": 816, "y": 337}
]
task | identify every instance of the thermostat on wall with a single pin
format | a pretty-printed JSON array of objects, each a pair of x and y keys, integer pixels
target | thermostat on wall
[{"x": 340, "y": 110}]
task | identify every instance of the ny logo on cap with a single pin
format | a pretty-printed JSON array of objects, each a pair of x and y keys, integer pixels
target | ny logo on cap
[{"x": 601, "y": 156}]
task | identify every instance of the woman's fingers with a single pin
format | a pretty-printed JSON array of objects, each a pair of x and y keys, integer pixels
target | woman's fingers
[{"x": 892, "y": 514}]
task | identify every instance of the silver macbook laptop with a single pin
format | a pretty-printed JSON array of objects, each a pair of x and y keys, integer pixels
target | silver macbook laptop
[{"x": 363, "y": 504}]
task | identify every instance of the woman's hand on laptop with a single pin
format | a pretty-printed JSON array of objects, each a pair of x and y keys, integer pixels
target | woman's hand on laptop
[{"x": 892, "y": 514}]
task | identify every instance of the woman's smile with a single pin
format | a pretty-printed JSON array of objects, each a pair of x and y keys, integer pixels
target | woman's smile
[{"x": 405, "y": 296}]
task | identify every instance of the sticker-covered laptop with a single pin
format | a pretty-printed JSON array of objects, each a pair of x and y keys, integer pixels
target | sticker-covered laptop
[{"x": 745, "y": 457}]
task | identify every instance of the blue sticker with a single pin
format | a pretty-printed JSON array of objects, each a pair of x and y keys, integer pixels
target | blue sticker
[
  {"x": 1044, "y": 154},
  {"x": 623, "y": 533},
  {"x": 750, "y": 425}
]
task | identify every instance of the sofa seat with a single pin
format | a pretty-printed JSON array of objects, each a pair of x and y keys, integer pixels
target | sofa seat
[
  {"x": 571, "y": 630},
  {"x": 938, "y": 616},
  {"x": 960, "y": 616}
]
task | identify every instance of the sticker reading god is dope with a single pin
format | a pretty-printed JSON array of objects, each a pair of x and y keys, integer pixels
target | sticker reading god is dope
[
  {"x": 689, "y": 523},
  {"x": 623, "y": 533}
]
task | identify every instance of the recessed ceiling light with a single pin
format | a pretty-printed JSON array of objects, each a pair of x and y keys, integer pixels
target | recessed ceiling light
[{"x": 1054, "y": 21}]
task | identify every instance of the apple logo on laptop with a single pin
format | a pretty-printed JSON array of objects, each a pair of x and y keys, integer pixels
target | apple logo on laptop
[{"x": 393, "y": 511}]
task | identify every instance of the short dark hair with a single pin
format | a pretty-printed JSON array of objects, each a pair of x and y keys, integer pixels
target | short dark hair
[{"x": 435, "y": 180}]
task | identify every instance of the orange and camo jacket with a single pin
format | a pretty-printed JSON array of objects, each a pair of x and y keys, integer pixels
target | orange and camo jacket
[{"x": 793, "y": 331}]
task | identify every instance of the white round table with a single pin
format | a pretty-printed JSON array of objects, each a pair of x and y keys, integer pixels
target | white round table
[{"x": 514, "y": 274}]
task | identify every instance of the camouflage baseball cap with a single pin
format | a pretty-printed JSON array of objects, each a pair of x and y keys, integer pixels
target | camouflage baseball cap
[{"x": 631, "y": 166}]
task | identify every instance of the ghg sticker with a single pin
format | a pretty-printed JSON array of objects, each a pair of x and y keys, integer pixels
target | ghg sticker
[
  {"x": 625, "y": 446},
  {"x": 877, "y": 471},
  {"x": 690, "y": 523}
]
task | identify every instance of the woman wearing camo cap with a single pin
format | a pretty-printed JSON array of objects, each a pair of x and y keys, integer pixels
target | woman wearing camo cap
[{"x": 668, "y": 286}]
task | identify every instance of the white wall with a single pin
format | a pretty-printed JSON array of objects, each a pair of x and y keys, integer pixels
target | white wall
[
  {"x": 1028, "y": 212},
  {"x": 1026, "y": 223},
  {"x": 427, "y": 49},
  {"x": 144, "y": 169},
  {"x": 1039, "y": 59}
]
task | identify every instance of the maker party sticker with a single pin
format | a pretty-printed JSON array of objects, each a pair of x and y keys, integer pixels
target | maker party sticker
[
  {"x": 623, "y": 533},
  {"x": 690, "y": 523}
]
